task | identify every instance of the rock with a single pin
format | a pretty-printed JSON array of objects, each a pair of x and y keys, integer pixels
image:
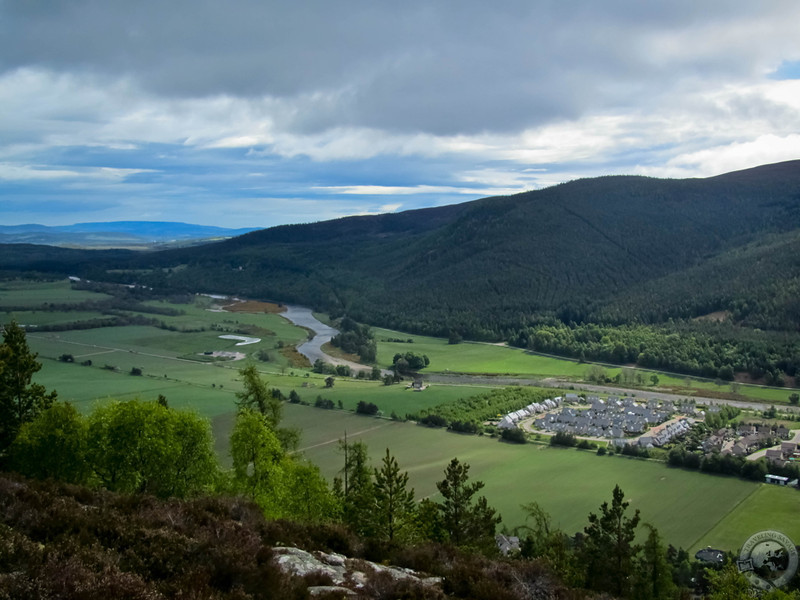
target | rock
[
  {"x": 319, "y": 590},
  {"x": 348, "y": 576},
  {"x": 302, "y": 563}
]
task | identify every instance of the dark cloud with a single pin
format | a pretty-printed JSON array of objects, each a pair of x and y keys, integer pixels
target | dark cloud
[{"x": 445, "y": 67}]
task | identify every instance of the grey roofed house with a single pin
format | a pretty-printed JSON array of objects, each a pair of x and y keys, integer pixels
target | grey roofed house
[
  {"x": 747, "y": 429},
  {"x": 571, "y": 398},
  {"x": 775, "y": 456},
  {"x": 738, "y": 450},
  {"x": 788, "y": 448},
  {"x": 710, "y": 555}
]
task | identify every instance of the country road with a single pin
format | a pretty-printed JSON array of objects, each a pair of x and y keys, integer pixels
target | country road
[{"x": 465, "y": 379}]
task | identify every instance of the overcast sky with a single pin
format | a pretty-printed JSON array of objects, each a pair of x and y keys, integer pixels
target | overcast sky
[{"x": 257, "y": 113}]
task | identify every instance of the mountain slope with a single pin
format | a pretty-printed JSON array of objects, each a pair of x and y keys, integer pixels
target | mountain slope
[
  {"x": 113, "y": 234},
  {"x": 613, "y": 249}
]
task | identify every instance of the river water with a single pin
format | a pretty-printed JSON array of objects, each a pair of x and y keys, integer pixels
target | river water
[{"x": 312, "y": 349}]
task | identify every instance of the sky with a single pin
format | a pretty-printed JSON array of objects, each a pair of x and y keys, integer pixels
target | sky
[{"x": 254, "y": 113}]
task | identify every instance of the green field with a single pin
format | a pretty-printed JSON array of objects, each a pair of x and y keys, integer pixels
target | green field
[
  {"x": 34, "y": 294},
  {"x": 477, "y": 357},
  {"x": 686, "y": 506},
  {"x": 690, "y": 509},
  {"x": 769, "y": 507}
]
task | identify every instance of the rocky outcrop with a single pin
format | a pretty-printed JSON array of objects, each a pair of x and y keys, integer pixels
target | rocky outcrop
[{"x": 347, "y": 577}]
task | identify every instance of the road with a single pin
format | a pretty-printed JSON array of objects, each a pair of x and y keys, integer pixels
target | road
[{"x": 480, "y": 380}]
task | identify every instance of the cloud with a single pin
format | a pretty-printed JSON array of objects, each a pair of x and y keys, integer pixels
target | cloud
[
  {"x": 288, "y": 112},
  {"x": 12, "y": 172}
]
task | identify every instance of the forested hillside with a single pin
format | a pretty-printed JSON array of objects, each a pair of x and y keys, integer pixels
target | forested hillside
[{"x": 609, "y": 251}]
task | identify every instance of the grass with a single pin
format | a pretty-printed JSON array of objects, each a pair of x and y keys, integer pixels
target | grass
[
  {"x": 34, "y": 294},
  {"x": 769, "y": 507},
  {"x": 476, "y": 357},
  {"x": 690, "y": 509},
  {"x": 567, "y": 483}
]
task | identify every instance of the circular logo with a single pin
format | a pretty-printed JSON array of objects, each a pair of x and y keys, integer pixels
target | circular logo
[{"x": 768, "y": 559}]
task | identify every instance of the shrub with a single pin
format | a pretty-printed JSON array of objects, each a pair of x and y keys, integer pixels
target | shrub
[
  {"x": 366, "y": 408},
  {"x": 563, "y": 439},
  {"x": 433, "y": 421},
  {"x": 323, "y": 403},
  {"x": 515, "y": 435}
]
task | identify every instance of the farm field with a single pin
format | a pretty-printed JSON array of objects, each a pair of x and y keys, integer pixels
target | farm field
[
  {"x": 690, "y": 509},
  {"x": 769, "y": 507},
  {"x": 686, "y": 506},
  {"x": 476, "y": 357},
  {"x": 499, "y": 359}
]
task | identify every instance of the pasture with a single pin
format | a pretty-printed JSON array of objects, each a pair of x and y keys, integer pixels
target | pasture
[
  {"x": 686, "y": 506},
  {"x": 690, "y": 509}
]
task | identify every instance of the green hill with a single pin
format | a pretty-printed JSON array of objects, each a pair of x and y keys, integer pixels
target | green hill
[{"x": 608, "y": 250}]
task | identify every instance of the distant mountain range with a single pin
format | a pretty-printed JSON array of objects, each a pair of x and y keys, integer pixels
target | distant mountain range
[
  {"x": 615, "y": 250},
  {"x": 115, "y": 234}
]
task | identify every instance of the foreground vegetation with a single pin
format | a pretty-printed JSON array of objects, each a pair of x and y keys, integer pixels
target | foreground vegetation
[
  {"x": 171, "y": 362},
  {"x": 148, "y": 448}
]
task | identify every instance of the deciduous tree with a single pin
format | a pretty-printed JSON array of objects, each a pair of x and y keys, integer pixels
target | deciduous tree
[
  {"x": 259, "y": 462},
  {"x": 145, "y": 447},
  {"x": 52, "y": 446}
]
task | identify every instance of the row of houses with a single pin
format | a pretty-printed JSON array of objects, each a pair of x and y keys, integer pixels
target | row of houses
[
  {"x": 658, "y": 436},
  {"x": 613, "y": 418},
  {"x": 745, "y": 440},
  {"x": 510, "y": 420}
]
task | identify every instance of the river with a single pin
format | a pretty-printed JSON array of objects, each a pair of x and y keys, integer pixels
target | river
[{"x": 312, "y": 349}]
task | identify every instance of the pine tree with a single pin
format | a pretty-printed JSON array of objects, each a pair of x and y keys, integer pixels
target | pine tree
[
  {"x": 20, "y": 400},
  {"x": 355, "y": 488},
  {"x": 653, "y": 570},
  {"x": 466, "y": 522},
  {"x": 608, "y": 550},
  {"x": 394, "y": 501}
]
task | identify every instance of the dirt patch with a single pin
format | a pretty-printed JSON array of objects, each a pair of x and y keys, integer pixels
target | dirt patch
[
  {"x": 254, "y": 306},
  {"x": 294, "y": 357},
  {"x": 332, "y": 350},
  {"x": 223, "y": 355},
  {"x": 716, "y": 317}
]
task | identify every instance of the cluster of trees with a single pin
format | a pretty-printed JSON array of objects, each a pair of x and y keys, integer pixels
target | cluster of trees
[
  {"x": 407, "y": 363},
  {"x": 356, "y": 339},
  {"x": 21, "y": 400},
  {"x": 610, "y": 556},
  {"x": 727, "y": 464},
  {"x": 147, "y": 447},
  {"x": 480, "y": 408},
  {"x": 721, "y": 418},
  {"x": 706, "y": 350},
  {"x": 378, "y": 503}
]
